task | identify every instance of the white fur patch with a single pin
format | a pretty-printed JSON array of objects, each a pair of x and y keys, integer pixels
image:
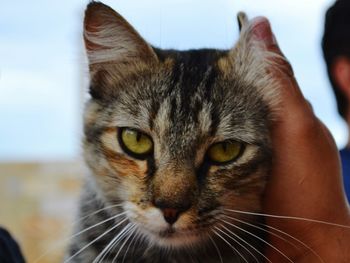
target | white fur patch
[{"x": 151, "y": 224}]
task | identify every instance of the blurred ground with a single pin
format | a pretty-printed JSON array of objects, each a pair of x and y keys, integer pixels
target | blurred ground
[{"x": 38, "y": 205}]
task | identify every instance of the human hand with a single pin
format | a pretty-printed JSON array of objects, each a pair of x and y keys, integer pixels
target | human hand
[{"x": 305, "y": 185}]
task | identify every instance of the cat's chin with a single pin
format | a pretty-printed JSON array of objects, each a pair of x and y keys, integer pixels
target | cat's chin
[{"x": 172, "y": 238}]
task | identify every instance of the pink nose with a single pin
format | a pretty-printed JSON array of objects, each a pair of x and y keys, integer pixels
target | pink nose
[
  {"x": 170, "y": 215},
  {"x": 171, "y": 211}
]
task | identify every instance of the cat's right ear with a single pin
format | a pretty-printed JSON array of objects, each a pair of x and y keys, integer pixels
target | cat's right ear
[{"x": 109, "y": 38}]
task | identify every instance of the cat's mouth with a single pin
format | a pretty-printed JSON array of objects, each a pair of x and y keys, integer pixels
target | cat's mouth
[
  {"x": 171, "y": 231},
  {"x": 175, "y": 237},
  {"x": 171, "y": 237}
]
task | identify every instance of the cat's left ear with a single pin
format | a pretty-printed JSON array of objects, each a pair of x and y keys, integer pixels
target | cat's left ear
[
  {"x": 242, "y": 20},
  {"x": 251, "y": 61},
  {"x": 109, "y": 38}
]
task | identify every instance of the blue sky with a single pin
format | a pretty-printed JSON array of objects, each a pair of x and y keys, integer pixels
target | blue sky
[{"x": 43, "y": 73}]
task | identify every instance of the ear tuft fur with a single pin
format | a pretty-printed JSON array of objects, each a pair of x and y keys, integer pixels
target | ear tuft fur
[
  {"x": 110, "y": 38},
  {"x": 242, "y": 20},
  {"x": 252, "y": 62}
]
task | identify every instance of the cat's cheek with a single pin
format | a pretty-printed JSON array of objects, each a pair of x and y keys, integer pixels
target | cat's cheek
[{"x": 128, "y": 170}]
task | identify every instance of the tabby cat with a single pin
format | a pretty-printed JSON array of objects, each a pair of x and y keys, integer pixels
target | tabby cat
[{"x": 178, "y": 148}]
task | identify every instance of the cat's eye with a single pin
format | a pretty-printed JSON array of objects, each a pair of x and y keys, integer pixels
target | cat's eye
[
  {"x": 135, "y": 143},
  {"x": 224, "y": 152}
]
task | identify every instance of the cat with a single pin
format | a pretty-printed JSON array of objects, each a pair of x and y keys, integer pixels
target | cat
[{"x": 178, "y": 147}]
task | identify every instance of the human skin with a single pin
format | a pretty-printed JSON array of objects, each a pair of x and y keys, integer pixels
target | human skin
[{"x": 306, "y": 175}]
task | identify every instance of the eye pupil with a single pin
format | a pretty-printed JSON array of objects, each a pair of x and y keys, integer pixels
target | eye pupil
[
  {"x": 138, "y": 136},
  {"x": 224, "y": 147}
]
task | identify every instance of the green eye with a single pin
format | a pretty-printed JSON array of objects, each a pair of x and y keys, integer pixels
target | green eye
[
  {"x": 135, "y": 142},
  {"x": 224, "y": 152}
]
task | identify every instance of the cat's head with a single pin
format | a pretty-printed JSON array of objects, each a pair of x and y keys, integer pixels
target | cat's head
[{"x": 179, "y": 138}]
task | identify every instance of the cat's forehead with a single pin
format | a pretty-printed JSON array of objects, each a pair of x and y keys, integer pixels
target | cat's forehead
[
  {"x": 194, "y": 58},
  {"x": 184, "y": 77},
  {"x": 187, "y": 97}
]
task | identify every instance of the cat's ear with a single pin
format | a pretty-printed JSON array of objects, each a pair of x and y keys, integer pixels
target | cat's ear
[
  {"x": 242, "y": 20},
  {"x": 240, "y": 54},
  {"x": 250, "y": 60},
  {"x": 110, "y": 38}
]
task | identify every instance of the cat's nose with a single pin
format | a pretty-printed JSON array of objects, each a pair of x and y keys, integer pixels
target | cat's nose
[
  {"x": 170, "y": 212},
  {"x": 170, "y": 215}
]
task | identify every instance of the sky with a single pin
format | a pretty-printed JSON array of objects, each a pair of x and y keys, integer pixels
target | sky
[{"x": 43, "y": 70}]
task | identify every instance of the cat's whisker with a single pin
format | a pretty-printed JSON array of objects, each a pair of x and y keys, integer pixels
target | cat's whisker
[
  {"x": 95, "y": 225},
  {"x": 93, "y": 241},
  {"x": 64, "y": 241},
  {"x": 112, "y": 243},
  {"x": 134, "y": 235},
  {"x": 128, "y": 233},
  {"x": 265, "y": 230},
  {"x": 100, "y": 257},
  {"x": 288, "y": 217},
  {"x": 279, "y": 236},
  {"x": 259, "y": 238},
  {"x": 230, "y": 245},
  {"x": 216, "y": 248},
  {"x": 136, "y": 241},
  {"x": 233, "y": 237},
  {"x": 297, "y": 240},
  {"x": 139, "y": 241},
  {"x": 96, "y": 212},
  {"x": 245, "y": 242}
]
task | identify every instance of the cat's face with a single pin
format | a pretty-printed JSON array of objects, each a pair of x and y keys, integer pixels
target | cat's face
[{"x": 177, "y": 138}]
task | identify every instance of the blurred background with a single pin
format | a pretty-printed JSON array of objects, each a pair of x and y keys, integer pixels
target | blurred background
[{"x": 43, "y": 86}]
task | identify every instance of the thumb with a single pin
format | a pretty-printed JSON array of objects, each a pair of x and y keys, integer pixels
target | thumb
[
  {"x": 260, "y": 31},
  {"x": 290, "y": 95}
]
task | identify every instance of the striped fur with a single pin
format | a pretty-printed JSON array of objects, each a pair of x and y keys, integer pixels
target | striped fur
[{"x": 185, "y": 101}]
